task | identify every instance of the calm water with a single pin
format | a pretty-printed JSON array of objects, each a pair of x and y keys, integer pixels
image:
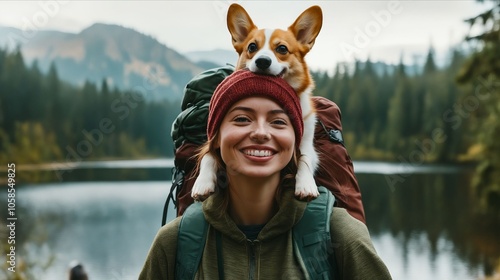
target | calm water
[{"x": 423, "y": 227}]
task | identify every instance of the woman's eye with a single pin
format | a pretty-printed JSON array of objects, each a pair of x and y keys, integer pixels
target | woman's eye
[
  {"x": 279, "y": 122},
  {"x": 240, "y": 119}
]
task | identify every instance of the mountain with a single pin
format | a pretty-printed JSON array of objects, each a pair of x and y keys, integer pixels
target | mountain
[{"x": 125, "y": 58}]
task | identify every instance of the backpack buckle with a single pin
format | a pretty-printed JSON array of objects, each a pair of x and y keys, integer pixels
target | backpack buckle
[{"x": 334, "y": 135}]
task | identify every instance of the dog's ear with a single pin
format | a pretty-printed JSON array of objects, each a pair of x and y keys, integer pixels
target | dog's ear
[
  {"x": 307, "y": 26},
  {"x": 239, "y": 24}
]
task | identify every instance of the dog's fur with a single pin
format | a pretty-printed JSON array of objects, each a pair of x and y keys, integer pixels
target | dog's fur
[{"x": 279, "y": 53}]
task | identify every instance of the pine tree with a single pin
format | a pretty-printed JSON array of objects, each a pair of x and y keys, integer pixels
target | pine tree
[
  {"x": 399, "y": 113},
  {"x": 35, "y": 101},
  {"x": 53, "y": 95},
  {"x": 13, "y": 91},
  {"x": 483, "y": 71},
  {"x": 454, "y": 136},
  {"x": 430, "y": 64}
]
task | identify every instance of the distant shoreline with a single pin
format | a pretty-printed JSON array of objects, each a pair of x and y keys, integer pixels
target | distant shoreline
[{"x": 360, "y": 167}]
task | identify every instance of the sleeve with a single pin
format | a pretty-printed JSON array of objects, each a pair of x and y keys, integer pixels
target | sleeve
[
  {"x": 355, "y": 256},
  {"x": 160, "y": 262}
]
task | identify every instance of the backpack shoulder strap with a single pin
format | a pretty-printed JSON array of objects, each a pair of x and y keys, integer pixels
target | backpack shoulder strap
[
  {"x": 190, "y": 241},
  {"x": 311, "y": 236}
]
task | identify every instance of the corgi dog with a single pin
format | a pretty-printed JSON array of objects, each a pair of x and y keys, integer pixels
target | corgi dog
[{"x": 280, "y": 53}]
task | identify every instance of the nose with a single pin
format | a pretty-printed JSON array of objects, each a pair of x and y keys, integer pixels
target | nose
[
  {"x": 260, "y": 133},
  {"x": 263, "y": 62}
]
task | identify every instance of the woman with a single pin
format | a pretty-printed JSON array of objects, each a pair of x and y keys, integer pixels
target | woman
[{"x": 254, "y": 130}]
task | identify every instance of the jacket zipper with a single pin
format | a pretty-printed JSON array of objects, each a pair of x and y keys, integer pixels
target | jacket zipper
[{"x": 252, "y": 258}]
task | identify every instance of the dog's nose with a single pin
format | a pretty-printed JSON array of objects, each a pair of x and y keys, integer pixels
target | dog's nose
[{"x": 263, "y": 62}]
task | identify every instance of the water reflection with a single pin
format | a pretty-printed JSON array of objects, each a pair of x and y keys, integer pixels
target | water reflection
[
  {"x": 107, "y": 226},
  {"x": 432, "y": 215},
  {"x": 425, "y": 227}
]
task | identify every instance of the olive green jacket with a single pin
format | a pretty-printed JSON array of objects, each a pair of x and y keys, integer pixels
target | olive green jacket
[{"x": 271, "y": 256}]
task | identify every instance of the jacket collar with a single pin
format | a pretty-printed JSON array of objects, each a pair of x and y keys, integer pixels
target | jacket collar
[{"x": 290, "y": 210}]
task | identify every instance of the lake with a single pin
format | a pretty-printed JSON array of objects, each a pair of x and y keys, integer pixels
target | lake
[{"x": 423, "y": 226}]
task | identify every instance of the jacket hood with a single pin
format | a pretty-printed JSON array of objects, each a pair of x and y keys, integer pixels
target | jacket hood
[{"x": 290, "y": 211}]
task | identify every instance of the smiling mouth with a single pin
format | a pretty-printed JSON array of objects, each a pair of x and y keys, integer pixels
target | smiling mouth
[{"x": 258, "y": 153}]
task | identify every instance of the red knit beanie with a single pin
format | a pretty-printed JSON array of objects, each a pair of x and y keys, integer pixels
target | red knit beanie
[{"x": 242, "y": 84}]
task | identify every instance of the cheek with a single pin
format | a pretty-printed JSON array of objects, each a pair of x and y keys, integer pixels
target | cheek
[
  {"x": 287, "y": 142},
  {"x": 290, "y": 151},
  {"x": 227, "y": 142},
  {"x": 228, "y": 138}
]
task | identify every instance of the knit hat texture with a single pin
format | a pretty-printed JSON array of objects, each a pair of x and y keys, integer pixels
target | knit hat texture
[{"x": 243, "y": 84}]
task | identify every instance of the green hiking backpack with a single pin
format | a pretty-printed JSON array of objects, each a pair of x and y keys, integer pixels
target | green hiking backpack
[
  {"x": 191, "y": 124},
  {"x": 311, "y": 237}
]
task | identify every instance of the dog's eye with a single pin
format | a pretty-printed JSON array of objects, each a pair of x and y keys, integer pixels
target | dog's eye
[
  {"x": 282, "y": 49},
  {"x": 252, "y": 47}
]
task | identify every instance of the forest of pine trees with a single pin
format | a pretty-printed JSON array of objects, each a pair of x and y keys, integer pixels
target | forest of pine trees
[
  {"x": 482, "y": 69},
  {"x": 402, "y": 117},
  {"x": 44, "y": 119},
  {"x": 392, "y": 115}
]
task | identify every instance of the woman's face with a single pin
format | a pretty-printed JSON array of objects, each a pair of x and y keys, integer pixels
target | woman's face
[{"x": 256, "y": 138}]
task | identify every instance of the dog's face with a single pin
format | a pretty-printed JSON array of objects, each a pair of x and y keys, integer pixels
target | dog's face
[{"x": 274, "y": 51}]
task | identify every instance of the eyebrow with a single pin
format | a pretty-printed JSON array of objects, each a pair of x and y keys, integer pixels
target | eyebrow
[{"x": 248, "y": 109}]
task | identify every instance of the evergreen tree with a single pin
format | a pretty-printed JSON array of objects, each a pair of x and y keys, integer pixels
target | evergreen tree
[
  {"x": 53, "y": 95},
  {"x": 35, "y": 101},
  {"x": 357, "y": 105},
  {"x": 430, "y": 65},
  {"x": 13, "y": 90},
  {"x": 340, "y": 86},
  {"x": 483, "y": 71},
  {"x": 454, "y": 137},
  {"x": 398, "y": 114}
]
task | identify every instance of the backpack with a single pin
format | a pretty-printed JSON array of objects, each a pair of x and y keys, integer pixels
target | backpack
[
  {"x": 335, "y": 171},
  {"x": 311, "y": 238}
]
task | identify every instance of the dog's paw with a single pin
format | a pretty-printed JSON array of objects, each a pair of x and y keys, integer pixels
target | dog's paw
[
  {"x": 202, "y": 188},
  {"x": 306, "y": 188},
  {"x": 305, "y": 185},
  {"x": 204, "y": 185}
]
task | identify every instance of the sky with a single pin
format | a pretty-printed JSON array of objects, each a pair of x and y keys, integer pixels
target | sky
[{"x": 380, "y": 30}]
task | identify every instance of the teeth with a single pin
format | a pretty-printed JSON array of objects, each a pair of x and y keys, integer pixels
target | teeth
[{"x": 258, "y": 153}]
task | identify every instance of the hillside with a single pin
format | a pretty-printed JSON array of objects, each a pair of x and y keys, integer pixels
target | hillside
[{"x": 124, "y": 57}]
